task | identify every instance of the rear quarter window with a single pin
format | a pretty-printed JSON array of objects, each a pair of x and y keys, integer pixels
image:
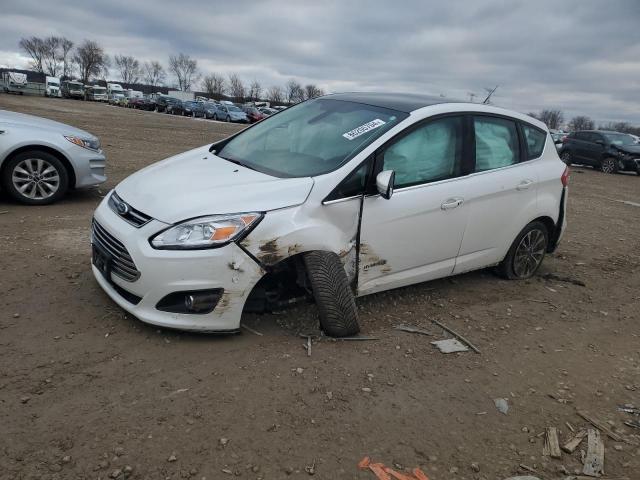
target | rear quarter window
[{"x": 534, "y": 141}]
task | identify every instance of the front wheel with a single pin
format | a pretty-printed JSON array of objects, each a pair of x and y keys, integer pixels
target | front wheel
[
  {"x": 609, "y": 165},
  {"x": 526, "y": 253},
  {"x": 35, "y": 178},
  {"x": 566, "y": 158},
  {"x": 333, "y": 296}
]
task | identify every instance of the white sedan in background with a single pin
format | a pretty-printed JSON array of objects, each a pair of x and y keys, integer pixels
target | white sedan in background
[
  {"x": 40, "y": 159},
  {"x": 340, "y": 196}
]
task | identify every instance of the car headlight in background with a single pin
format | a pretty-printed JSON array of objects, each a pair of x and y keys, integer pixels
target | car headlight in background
[
  {"x": 205, "y": 232},
  {"x": 89, "y": 143}
]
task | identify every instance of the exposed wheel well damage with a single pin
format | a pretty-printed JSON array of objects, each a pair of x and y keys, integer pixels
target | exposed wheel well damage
[{"x": 43, "y": 148}]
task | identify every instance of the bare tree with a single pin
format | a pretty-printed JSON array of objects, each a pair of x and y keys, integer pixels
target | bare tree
[
  {"x": 275, "y": 94},
  {"x": 255, "y": 91},
  {"x": 65, "y": 57},
  {"x": 185, "y": 70},
  {"x": 154, "y": 73},
  {"x": 312, "y": 91},
  {"x": 581, "y": 122},
  {"x": 51, "y": 55},
  {"x": 91, "y": 60},
  {"x": 129, "y": 68},
  {"x": 294, "y": 92},
  {"x": 35, "y": 48},
  {"x": 552, "y": 118},
  {"x": 236, "y": 87},
  {"x": 622, "y": 127},
  {"x": 214, "y": 85}
]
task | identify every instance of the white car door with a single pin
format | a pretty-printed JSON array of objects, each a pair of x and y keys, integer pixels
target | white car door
[
  {"x": 502, "y": 194},
  {"x": 416, "y": 234}
]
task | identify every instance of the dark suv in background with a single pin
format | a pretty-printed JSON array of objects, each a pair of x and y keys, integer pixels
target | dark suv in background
[{"x": 609, "y": 151}]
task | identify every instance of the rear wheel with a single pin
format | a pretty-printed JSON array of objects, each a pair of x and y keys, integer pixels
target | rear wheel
[
  {"x": 35, "y": 178},
  {"x": 330, "y": 286},
  {"x": 609, "y": 165},
  {"x": 526, "y": 253}
]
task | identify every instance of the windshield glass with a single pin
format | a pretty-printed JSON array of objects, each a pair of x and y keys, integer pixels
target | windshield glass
[
  {"x": 74, "y": 85},
  {"x": 233, "y": 108},
  {"x": 99, "y": 90},
  {"x": 53, "y": 84},
  {"x": 311, "y": 138},
  {"x": 620, "y": 138}
]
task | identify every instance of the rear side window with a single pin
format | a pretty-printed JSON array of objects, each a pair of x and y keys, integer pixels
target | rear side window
[
  {"x": 496, "y": 143},
  {"x": 431, "y": 152},
  {"x": 535, "y": 141}
]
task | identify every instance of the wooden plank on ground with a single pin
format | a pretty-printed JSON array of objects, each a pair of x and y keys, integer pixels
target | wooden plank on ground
[
  {"x": 572, "y": 444},
  {"x": 551, "y": 446},
  {"x": 600, "y": 426},
  {"x": 594, "y": 460}
]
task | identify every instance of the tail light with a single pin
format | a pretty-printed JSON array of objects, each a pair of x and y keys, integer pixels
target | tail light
[{"x": 565, "y": 177}]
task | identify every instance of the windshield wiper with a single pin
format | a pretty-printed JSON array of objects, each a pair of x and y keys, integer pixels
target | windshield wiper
[{"x": 237, "y": 162}]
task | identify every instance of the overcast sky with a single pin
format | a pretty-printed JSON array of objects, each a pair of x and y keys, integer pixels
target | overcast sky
[{"x": 577, "y": 55}]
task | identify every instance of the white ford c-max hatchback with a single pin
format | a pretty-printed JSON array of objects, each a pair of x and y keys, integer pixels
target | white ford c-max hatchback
[{"x": 337, "y": 197}]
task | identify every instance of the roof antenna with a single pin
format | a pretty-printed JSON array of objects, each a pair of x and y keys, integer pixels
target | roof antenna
[{"x": 486, "y": 100}]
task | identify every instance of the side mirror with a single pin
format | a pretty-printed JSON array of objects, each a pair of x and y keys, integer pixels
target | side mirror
[{"x": 384, "y": 183}]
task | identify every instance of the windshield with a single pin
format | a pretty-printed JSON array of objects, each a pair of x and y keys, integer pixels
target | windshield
[
  {"x": 74, "y": 85},
  {"x": 99, "y": 90},
  {"x": 620, "y": 138},
  {"x": 312, "y": 138},
  {"x": 233, "y": 108},
  {"x": 53, "y": 84}
]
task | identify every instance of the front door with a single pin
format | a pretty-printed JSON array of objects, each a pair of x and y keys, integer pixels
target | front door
[{"x": 415, "y": 235}]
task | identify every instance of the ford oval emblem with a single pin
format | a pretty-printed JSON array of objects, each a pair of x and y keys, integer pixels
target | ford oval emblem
[{"x": 122, "y": 208}]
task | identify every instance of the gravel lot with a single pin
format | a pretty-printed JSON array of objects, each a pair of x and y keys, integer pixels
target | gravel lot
[{"x": 89, "y": 392}]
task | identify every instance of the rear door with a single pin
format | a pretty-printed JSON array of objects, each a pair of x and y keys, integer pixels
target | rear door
[
  {"x": 594, "y": 148},
  {"x": 501, "y": 195}
]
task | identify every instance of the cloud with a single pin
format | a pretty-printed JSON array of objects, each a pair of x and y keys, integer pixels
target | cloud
[{"x": 581, "y": 57}]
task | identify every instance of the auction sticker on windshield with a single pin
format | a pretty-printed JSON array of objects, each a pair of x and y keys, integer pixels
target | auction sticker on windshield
[{"x": 362, "y": 129}]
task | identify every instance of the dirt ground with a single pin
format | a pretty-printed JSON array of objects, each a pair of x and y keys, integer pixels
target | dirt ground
[{"x": 89, "y": 392}]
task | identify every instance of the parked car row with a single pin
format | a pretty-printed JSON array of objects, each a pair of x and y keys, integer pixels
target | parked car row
[
  {"x": 224, "y": 111},
  {"x": 610, "y": 152}
]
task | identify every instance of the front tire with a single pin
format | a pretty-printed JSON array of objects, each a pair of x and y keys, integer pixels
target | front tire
[
  {"x": 35, "y": 178},
  {"x": 526, "y": 253},
  {"x": 609, "y": 165},
  {"x": 330, "y": 286}
]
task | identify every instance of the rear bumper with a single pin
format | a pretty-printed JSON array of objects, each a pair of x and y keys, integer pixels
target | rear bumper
[{"x": 561, "y": 225}]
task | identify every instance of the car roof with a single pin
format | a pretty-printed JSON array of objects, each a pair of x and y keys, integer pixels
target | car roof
[{"x": 404, "y": 102}]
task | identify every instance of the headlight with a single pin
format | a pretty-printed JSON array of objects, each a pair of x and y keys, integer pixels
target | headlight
[
  {"x": 205, "y": 232},
  {"x": 89, "y": 143}
]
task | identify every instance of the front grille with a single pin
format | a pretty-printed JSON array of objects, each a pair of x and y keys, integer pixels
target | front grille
[
  {"x": 122, "y": 264},
  {"x": 127, "y": 212}
]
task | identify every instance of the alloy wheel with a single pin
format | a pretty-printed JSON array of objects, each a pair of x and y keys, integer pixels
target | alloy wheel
[
  {"x": 608, "y": 165},
  {"x": 529, "y": 253},
  {"x": 36, "y": 178}
]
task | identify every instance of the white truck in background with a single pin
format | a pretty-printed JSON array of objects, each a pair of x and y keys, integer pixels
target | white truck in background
[
  {"x": 52, "y": 87},
  {"x": 115, "y": 93},
  {"x": 14, "y": 82}
]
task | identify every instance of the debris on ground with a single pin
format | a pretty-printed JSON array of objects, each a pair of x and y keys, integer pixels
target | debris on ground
[
  {"x": 360, "y": 338},
  {"x": 594, "y": 460},
  {"x": 632, "y": 423},
  {"x": 629, "y": 408},
  {"x": 410, "y": 329},
  {"x": 385, "y": 473},
  {"x": 574, "y": 442},
  {"x": 551, "y": 447},
  {"x": 502, "y": 405},
  {"x": 249, "y": 329},
  {"x": 457, "y": 335},
  {"x": 450, "y": 345},
  {"x": 600, "y": 426},
  {"x": 563, "y": 278}
]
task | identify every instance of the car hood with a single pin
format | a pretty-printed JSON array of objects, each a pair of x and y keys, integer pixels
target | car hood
[
  {"x": 198, "y": 183},
  {"x": 633, "y": 149},
  {"x": 30, "y": 121}
]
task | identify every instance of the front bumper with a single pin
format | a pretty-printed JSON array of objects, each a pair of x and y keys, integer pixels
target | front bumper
[
  {"x": 88, "y": 166},
  {"x": 167, "y": 271}
]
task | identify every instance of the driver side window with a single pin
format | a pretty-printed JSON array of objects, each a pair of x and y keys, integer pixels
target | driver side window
[{"x": 431, "y": 152}]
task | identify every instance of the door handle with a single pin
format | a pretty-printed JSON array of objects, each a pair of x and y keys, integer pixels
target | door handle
[
  {"x": 524, "y": 184},
  {"x": 452, "y": 203}
]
